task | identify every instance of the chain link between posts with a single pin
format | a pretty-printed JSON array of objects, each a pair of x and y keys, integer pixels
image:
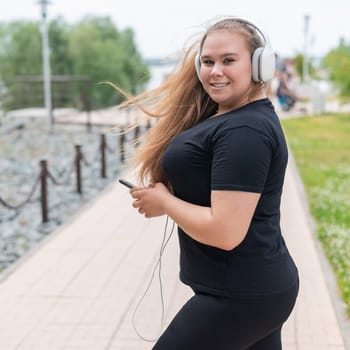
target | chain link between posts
[{"x": 79, "y": 157}]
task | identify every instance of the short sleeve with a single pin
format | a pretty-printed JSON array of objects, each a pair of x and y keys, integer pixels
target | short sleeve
[{"x": 241, "y": 160}]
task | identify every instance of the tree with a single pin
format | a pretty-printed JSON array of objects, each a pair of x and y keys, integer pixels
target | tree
[
  {"x": 299, "y": 61},
  {"x": 20, "y": 56},
  {"x": 136, "y": 71},
  {"x": 337, "y": 64},
  {"x": 20, "y": 49},
  {"x": 93, "y": 48},
  {"x": 103, "y": 53},
  {"x": 60, "y": 59}
]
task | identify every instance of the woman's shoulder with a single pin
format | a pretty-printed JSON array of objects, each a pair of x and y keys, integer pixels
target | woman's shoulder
[
  {"x": 258, "y": 121},
  {"x": 258, "y": 115}
]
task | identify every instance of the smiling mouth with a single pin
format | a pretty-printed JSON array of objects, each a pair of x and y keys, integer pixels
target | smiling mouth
[{"x": 219, "y": 85}]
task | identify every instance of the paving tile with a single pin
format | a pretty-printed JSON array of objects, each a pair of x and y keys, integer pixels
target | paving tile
[{"x": 81, "y": 288}]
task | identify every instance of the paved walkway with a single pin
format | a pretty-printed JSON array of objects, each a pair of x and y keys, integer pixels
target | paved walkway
[{"x": 80, "y": 287}]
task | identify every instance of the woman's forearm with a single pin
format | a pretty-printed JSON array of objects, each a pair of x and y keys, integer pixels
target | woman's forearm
[
  {"x": 223, "y": 225},
  {"x": 200, "y": 224}
]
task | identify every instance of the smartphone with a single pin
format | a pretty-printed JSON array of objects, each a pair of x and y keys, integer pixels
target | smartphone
[{"x": 127, "y": 183}]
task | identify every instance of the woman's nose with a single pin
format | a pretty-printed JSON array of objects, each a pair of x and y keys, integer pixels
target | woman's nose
[{"x": 217, "y": 69}]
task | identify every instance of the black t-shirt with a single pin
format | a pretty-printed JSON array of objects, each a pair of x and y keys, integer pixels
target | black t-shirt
[{"x": 243, "y": 150}]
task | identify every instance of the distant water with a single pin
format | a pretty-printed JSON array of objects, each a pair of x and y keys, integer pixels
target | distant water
[{"x": 158, "y": 74}]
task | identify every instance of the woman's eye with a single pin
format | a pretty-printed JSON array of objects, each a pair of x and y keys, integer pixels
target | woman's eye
[
  {"x": 207, "y": 62},
  {"x": 228, "y": 60}
]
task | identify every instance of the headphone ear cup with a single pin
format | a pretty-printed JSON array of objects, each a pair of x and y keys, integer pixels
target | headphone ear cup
[
  {"x": 267, "y": 64},
  {"x": 197, "y": 63},
  {"x": 256, "y": 64},
  {"x": 263, "y": 64}
]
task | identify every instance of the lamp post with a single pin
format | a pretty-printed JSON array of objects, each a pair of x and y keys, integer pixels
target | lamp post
[
  {"x": 306, "y": 47},
  {"x": 46, "y": 62}
]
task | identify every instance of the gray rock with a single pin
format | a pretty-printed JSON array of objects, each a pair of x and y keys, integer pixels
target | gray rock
[{"x": 21, "y": 150}]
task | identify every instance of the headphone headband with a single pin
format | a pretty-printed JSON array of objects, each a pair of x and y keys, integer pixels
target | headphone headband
[{"x": 263, "y": 58}]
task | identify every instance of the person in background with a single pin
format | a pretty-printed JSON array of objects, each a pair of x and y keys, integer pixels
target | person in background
[
  {"x": 285, "y": 93},
  {"x": 215, "y": 163}
]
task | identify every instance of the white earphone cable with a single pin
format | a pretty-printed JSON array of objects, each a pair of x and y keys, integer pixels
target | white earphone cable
[{"x": 158, "y": 265}]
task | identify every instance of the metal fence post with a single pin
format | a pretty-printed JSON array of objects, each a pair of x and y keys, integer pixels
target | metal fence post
[
  {"x": 78, "y": 157},
  {"x": 43, "y": 181},
  {"x": 137, "y": 132},
  {"x": 122, "y": 145},
  {"x": 103, "y": 147}
]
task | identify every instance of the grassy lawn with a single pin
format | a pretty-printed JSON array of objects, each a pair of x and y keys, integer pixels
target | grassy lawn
[{"x": 321, "y": 147}]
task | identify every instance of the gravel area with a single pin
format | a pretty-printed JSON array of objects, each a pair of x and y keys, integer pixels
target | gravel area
[{"x": 24, "y": 142}]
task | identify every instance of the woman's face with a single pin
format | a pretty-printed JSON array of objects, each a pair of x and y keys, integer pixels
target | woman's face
[{"x": 226, "y": 72}]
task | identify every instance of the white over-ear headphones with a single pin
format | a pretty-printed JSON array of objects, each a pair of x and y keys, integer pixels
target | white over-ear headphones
[{"x": 263, "y": 58}]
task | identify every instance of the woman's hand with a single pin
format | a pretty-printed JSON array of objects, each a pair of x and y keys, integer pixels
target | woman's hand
[{"x": 151, "y": 200}]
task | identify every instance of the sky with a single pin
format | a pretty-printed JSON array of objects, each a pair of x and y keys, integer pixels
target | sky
[{"x": 162, "y": 27}]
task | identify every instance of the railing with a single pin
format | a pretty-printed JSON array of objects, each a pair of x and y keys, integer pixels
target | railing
[
  {"x": 28, "y": 91},
  {"x": 76, "y": 165}
]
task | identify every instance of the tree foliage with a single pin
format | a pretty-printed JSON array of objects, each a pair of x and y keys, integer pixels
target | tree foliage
[
  {"x": 337, "y": 63},
  {"x": 93, "y": 48},
  {"x": 20, "y": 49},
  {"x": 312, "y": 71}
]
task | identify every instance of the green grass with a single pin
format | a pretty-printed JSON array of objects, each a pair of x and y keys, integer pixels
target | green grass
[{"x": 321, "y": 147}]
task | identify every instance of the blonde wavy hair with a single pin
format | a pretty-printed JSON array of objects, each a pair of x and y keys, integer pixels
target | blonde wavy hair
[{"x": 178, "y": 103}]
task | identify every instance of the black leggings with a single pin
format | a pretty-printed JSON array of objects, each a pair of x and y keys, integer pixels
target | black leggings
[{"x": 208, "y": 322}]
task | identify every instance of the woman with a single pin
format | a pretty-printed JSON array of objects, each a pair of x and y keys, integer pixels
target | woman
[{"x": 215, "y": 164}]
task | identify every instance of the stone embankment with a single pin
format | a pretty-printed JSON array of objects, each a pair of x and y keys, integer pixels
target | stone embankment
[{"x": 24, "y": 141}]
